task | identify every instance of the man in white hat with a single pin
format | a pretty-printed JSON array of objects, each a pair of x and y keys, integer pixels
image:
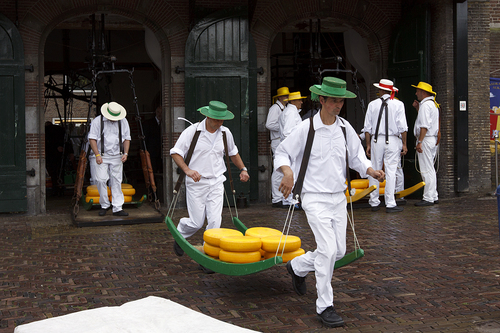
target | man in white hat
[
  {"x": 273, "y": 125},
  {"x": 109, "y": 138},
  {"x": 385, "y": 131},
  {"x": 205, "y": 171},
  {"x": 323, "y": 192},
  {"x": 426, "y": 132}
]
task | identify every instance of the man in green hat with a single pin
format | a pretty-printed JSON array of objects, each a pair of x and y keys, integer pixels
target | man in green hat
[
  {"x": 205, "y": 171},
  {"x": 323, "y": 192}
]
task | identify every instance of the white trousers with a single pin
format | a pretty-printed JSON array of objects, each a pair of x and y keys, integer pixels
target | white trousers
[
  {"x": 387, "y": 156},
  {"x": 426, "y": 164},
  {"x": 110, "y": 169},
  {"x": 204, "y": 200},
  {"x": 327, "y": 216},
  {"x": 400, "y": 178},
  {"x": 276, "y": 176}
]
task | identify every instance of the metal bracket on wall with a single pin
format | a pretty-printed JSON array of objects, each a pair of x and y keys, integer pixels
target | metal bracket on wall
[
  {"x": 31, "y": 172},
  {"x": 259, "y": 70},
  {"x": 179, "y": 69},
  {"x": 29, "y": 68}
]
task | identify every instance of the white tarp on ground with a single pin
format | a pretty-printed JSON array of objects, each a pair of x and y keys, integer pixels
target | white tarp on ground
[{"x": 148, "y": 315}]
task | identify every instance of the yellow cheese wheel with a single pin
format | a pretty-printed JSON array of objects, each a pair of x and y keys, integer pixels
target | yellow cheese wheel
[
  {"x": 96, "y": 199},
  {"x": 381, "y": 190},
  {"x": 270, "y": 244},
  {"x": 360, "y": 183},
  {"x": 382, "y": 184},
  {"x": 128, "y": 191},
  {"x": 240, "y": 243},
  {"x": 210, "y": 250},
  {"x": 126, "y": 186},
  {"x": 93, "y": 192},
  {"x": 287, "y": 256},
  {"x": 213, "y": 236},
  {"x": 262, "y": 232},
  {"x": 239, "y": 257}
]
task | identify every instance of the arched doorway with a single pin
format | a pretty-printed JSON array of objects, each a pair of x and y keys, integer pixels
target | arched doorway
[{"x": 68, "y": 58}]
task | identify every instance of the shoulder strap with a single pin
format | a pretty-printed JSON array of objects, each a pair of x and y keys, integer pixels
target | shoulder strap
[
  {"x": 120, "y": 135},
  {"x": 281, "y": 108},
  {"x": 187, "y": 159},
  {"x": 384, "y": 105},
  {"x": 347, "y": 173},
  {"x": 224, "y": 139},
  {"x": 305, "y": 160},
  {"x": 102, "y": 135}
]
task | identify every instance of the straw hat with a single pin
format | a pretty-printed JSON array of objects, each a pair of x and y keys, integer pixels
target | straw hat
[
  {"x": 294, "y": 96},
  {"x": 385, "y": 84},
  {"x": 332, "y": 87},
  {"x": 216, "y": 110},
  {"x": 425, "y": 87},
  {"x": 281, "y": 92},
  {"x": 113, "y": 111}
]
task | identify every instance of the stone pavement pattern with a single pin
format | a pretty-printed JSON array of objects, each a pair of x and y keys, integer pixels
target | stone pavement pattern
[{"x": 427, "y": 269}]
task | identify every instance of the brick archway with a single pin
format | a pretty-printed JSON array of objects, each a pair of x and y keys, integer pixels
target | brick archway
[{"x": 43, "y": 17}]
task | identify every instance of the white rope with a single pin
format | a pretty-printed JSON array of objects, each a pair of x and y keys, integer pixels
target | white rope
[
  {"x": 287, "y": 224},
  {"x": 350, "y": 218},
  {"x": 436, "y": 160},
  {"x": 173, "y": 203}
]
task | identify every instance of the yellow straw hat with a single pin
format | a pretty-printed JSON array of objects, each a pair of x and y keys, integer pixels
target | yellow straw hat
[
  {"x": 425, "y": 87},
  {"x": 283, "y": 91},
  {"x": 294, "y": 95}
]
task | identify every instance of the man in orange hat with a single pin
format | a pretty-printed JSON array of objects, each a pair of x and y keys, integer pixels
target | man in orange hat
[
  {"x": 385, "y": 131},
  {"x": 426, "y": 132},
  {"x": 273, "y": 125}
]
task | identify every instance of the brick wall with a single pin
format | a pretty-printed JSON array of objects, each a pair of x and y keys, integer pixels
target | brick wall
[{"x": 479, "y": 67}]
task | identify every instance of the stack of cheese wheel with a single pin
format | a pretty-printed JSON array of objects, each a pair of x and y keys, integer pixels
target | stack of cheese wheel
[
  {"x": 291, "y": 245},
  {"x": 359, "y": 185},
  {"x": 240, "y": 249},
  {"x": 262, "y": 232},
  {"x": 212, "y": 238},
  {"x": 92, "y": 193}
]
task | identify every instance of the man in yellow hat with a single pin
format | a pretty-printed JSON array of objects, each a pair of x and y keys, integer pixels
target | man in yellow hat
[
  {"x": 273, "y": 125},
  {"x": 426, "y": 132},
  {"x": 323, "y": 191},
  {"x": 109, "y": 138},
  {"x": 205, "y": 169}
]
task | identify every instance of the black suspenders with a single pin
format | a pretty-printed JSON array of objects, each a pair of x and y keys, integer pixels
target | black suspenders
[
  {"x": 119, "y": 135},
  {"x": 307, "y": 153},
  {"x": 382, "y": 107}
]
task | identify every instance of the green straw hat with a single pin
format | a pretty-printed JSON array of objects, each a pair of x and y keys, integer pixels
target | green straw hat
[
  {"x": 216, "y": 110},
  {"x": 332, "y": 87}
]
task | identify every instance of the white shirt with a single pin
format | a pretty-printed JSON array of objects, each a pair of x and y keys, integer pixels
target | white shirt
[
  {"x": 428, "y": 117},
  {"x": 208, "y": 154},
  {"x": 396, "y": 117},
  {"x": 272, "y": 122},
  {"x": 289, "y": 119},
  {"x": 326, "y": 170},
  {"x": 111, "y": 135}
]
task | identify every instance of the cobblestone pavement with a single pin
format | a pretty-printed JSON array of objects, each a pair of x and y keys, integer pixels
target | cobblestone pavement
[{"x": 427, "y": 269}]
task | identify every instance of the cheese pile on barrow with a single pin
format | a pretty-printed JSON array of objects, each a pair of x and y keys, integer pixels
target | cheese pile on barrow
[{"x": 258, "y": 243}]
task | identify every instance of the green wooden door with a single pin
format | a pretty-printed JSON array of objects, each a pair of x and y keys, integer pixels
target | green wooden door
[
  {"x": 13, "y": 133},
  {"x": 221, "y": 65},
  {"x": 408, "y": 64}
]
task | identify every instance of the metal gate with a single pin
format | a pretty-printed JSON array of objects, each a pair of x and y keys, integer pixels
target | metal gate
[
  {"x": 13, "y": 134},
  {"x": 221, "y": 65}
]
